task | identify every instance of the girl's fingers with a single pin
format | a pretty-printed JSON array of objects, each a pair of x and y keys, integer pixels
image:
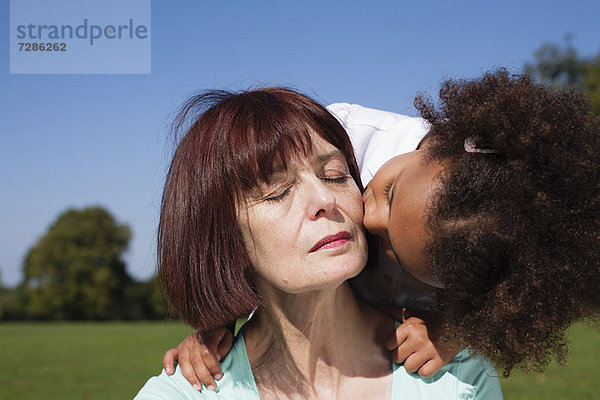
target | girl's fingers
[
  {"x": 415, "y": 362},
  {"x": 431, "y": 367},
  {"x": 169, "y": 359},
  {"x": 197, "y": 374},
  {"x": 205, "y": 362},
  {"x": 396, "y": 338}
]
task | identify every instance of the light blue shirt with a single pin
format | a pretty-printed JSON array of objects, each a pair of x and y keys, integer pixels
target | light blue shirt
[{"x": 464, "y": 378}]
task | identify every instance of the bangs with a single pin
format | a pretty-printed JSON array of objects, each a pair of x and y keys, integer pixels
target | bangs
[
  {"x": 258, "y": 132},
  {"x": 267, "y": 145}
]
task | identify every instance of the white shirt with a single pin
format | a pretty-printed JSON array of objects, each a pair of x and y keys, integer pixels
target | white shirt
[{"x": 378, "y": 135}]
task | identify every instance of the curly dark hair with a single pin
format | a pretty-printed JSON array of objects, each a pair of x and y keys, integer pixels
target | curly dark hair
[{"x": 514, "y": 234}]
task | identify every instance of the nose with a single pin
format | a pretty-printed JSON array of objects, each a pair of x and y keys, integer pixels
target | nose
[
  {"x": 374, "y": 220},
  {"x": 321, "y": 200}
]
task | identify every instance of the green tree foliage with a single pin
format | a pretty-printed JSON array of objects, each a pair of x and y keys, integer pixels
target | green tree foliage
[
  {"x": 143, "y": 300},
  {"x": 590, "y": 83},
  {"x": 8, "y": 303},
  {"x": 555, "y": 66},
  {"x": 560, "y": 67},
  {"x": 76, "y": 270}
]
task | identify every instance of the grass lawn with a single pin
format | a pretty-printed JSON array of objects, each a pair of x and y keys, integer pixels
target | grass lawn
[
  {"x": 578, "y": 379},
  {"x": 109, "y": 360},
  {"x": 113, "y": 360}
]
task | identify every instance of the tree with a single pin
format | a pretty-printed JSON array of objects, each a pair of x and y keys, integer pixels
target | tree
[
  {"x": 144, "y": 300},
  {"x": 560, "y": 68},
  {"x": 557, "y": 67},
  {"x": 7, "y": 302},
  {"x": 590, "y": 84},
  {"x": 76, "y": 271}
]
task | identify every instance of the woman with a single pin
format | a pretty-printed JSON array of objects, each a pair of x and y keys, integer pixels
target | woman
[
  {"x": 505, "y": 198},
  {"x": 262, "y": 207}
]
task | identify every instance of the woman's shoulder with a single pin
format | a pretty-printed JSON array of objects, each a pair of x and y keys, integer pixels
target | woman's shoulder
[
  {"x": 176, "y": 387},
  {"x": 237, "y": 382},
  {"x": 465, "y": 377}
]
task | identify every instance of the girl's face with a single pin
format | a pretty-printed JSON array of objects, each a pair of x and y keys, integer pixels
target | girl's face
[
  {"x": 395, "y": 209},
  {"x": 303, "y": 231}
]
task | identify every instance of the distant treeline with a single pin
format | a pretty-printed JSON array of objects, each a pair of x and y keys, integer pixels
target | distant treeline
[
  {"x": 139, "y": 301},
  {"x": 76, "y": 272}
]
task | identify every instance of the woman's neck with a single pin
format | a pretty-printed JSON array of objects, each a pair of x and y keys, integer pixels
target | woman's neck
[{"x": 309, "y": 344}]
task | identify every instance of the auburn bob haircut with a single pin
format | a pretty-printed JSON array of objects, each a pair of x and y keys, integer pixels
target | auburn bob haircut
[{"x": 231, "y": 144}]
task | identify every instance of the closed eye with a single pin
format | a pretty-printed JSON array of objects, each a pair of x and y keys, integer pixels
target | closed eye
[
  {"x": 339, "y": 179},
  {"x": 387, "y": 189},
  {"x": 279, "y": 197}
]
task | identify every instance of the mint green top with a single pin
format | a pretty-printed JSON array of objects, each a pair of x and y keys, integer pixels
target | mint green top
[{"x": 464, "y": 378}]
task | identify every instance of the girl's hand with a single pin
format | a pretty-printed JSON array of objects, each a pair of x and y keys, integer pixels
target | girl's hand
[
  {"x": 198, "y": 357},
  {"x": 412, "y": 345}
]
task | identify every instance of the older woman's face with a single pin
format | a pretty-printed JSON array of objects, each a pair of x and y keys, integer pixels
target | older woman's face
[
  {"x": 395, "y": 209},
  {"x": 303, "y": 231}
]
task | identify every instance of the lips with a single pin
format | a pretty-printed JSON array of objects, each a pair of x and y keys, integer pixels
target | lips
[{"x": 331, "y": 241}]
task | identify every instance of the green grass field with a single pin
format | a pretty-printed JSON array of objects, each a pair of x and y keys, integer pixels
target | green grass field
[
  {"x": 113, "y": 360},
  {"x": 82, "y": 360}
]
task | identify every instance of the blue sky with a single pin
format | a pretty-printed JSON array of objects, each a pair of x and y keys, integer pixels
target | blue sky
[{"x": 80, "y": 140}]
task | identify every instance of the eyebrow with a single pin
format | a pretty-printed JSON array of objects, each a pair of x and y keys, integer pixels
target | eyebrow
[{"x": 328, "y": 156}]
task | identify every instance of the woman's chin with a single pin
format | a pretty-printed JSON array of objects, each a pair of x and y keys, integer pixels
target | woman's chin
[{"x": 320, "y": 279}]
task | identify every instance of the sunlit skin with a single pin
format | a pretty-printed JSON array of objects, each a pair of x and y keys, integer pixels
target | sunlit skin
[
  {"x": 395, "y": 203},
  {"x": 290, "y": 225}
]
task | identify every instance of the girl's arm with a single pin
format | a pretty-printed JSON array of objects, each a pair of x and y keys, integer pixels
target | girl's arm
[
  {"x": 411, "y": 343},
  {"x": 198, "y": 357}
]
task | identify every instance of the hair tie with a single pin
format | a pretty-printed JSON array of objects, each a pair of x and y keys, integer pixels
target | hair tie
[{"x": 471, "y": 148}]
